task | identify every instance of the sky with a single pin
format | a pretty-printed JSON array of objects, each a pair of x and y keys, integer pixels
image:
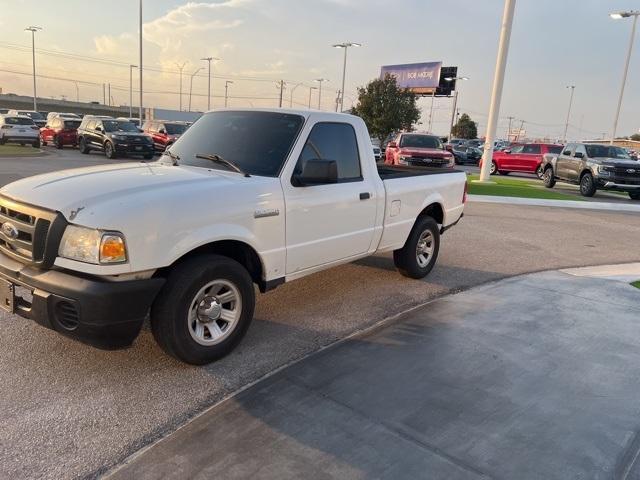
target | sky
[{"x": 554, "y": 43}]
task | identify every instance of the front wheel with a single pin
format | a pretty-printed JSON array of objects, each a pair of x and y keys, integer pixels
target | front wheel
[
  {"x": 109, "y": 150},
  {"x": 419, "y": 254},
  {"x": 83, "y": 146},
  {"x": 539, "y": 172},
  {"x": 548, "y": 178},
  {"x": 204, "y": 309},
  {"x": 494, "y": 168},
  {"x": 587, "y": 185}
]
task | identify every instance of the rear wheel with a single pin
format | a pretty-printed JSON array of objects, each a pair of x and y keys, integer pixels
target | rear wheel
[
  {"x": 548, "y": 178},
  {"x": 83, "y": 146},
  {"x": 36, "y": 144},
  {"x": 494, "y": 168},
  {"x": 634, "y": 195},
  {"x": 204, "y": 309},
  {"x": 539, "y": 172},
  {"x": 587, "y": 185},
  {"x": 109, "y": 150},
  {"x": 419, "y": 254},
  {"x": 58, "y": 142}
]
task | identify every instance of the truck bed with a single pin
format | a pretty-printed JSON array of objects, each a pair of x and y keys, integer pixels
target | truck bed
[{"x": 388, "y": 172}]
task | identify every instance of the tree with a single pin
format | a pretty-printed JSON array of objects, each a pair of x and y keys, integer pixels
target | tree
[
  {"x": 465, "y": 128},
  {"x": 635, "y": 136},
  {"x": 386, "y": 108}
]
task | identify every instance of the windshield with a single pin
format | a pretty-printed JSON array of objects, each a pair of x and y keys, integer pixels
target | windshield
[
  {"x": 32, "y": 115},
  {"x": 72, "y": 124},
  {"x": 555, "y": 148},
  {"x": 17, "y": 121},
  {"x": 117, "y": 126},
  {"x": 175, "y": 128},
  {"x": 257, "y": 142},
  {"x": 606, "y": 151},
  {"x": 420, "y": 141}
]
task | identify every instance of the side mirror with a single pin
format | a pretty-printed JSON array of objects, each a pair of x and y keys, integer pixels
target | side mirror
[
  {"x": 578, "y": 155},
  {"x": 392, "y": 145},
  {"x": 507, "y": 150},
  {"x": 317, "y": 172},
  {"x": 162, "y": 131}
]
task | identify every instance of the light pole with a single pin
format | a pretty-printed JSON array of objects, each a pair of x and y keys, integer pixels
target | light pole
[
  {"x": 496, "y": 91},
  {"x": 311, "y": 89},
  {"x": 208, "y": 60},
  {"x": 140, "y": 63},
  {"x": 77, "y": 92},
  {"x": 226, "y": 92},
  {"x": 131, "y": 67},
  {"x": 455, "y": 102},
  {"x": 191, "y": 85},
  {"x": 291, "y": 96},
  {"x": 345, "y": 46},
  {"x": 566, "y": 125},
  {"x": 616, "y": 16},
  {"x": 320, "y": 80},
  {"x": 33, "y": 31},
  {"x": 181, "y": 67}
]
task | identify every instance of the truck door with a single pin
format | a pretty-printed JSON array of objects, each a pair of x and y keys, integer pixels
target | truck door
[
  {"x": 563, "y": 163},
  {"x": 332, "y": 221},
  {"x": 577, "y": 161}
]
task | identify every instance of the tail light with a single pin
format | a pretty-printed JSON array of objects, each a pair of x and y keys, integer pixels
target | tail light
[{"x": 464, "y": 192}]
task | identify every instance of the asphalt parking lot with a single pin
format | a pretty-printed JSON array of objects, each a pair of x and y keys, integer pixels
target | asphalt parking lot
[{"x": 84, "y": 410}]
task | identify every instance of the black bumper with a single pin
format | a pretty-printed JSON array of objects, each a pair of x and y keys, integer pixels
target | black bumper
[
  {"x": 104, "y": 314},
  {"x": 134, "y": 148}
]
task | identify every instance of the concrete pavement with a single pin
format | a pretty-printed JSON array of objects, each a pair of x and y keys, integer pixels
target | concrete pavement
[{"x": 527, "y": 378}]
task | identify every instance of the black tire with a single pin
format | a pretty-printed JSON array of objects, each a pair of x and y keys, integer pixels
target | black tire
[
  {"x": 170, "y": 311},
  {"x": 83, "y": 146},
  {"x": 548, "y": 178},
  {"x": 109, "y": 150},
  {"x": 502, "y": 172},
  {"x": 36, "y": 144},
  {"x": 634, "y": 195},
  {"x": 148, "y": 156},
  {"x": 587, "y": 185},
  {"x": 494, "y": 168},
  {"x": 58, "y": 142},
  {"x": 43, "y": 142},
  {"x": 2, "y": 141},
  {"x": 539, "y": 172},
  {"x": 407, "y": 258}
]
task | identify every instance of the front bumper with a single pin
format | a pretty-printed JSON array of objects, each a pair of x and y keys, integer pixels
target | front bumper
[
  {"x": 134, "y": 148},
  {"x": 107, "y": 315},
  {"x": 619, "y": 185}
]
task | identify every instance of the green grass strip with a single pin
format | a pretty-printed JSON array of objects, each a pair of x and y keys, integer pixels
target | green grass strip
[{"x": 510, "y": 187}]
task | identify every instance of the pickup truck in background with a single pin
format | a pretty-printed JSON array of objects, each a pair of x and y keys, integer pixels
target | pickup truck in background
[
  {"x": 525, "y": 158},
  {"x": 593, "y": 167},
  {"x": 243, "y": 198},
  {"x": 419, "y": 150}
]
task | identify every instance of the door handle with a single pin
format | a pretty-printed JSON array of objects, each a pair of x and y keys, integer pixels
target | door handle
[{"x": 365, "y": 196}]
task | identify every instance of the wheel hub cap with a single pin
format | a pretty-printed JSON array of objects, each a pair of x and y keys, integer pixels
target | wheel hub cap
[{"x": 209, "y": 310}]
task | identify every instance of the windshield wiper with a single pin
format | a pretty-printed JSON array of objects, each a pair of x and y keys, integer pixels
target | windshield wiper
[
  {"x": 218, "y": 159},
  {"x": 174, "y": 158}
]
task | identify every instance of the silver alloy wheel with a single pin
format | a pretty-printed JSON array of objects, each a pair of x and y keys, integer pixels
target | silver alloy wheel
[
  {"x": 493, "y": 168},
  {"x": 214, "y": 312},
  {"x": 424, "y": 248}
]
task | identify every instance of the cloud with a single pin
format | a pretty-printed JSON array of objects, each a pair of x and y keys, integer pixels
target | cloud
[{"x": 110, "y": 45}]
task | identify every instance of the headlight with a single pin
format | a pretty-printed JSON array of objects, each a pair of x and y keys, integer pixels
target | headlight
[
  {"x": 403, "y": 160},
  {"x": 92, "y": 246},
  {"x": 605, "y": 170},
  {"x": 450, "y": 161}
]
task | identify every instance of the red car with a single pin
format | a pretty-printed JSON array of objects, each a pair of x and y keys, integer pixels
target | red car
[
  {"x": 526, "y": 158},
  {"x": 418, "y": 149},
  {"x": 60, "y": 132},
  {"x": 164, "y": 132}
]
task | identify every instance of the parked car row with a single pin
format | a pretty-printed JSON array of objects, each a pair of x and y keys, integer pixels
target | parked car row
[{"x": 18, "y": 129}]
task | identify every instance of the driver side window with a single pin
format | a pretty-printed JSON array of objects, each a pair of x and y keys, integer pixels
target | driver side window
[
  {"x": 517, "y": 149},
  {"x": 333, "y": 142}
]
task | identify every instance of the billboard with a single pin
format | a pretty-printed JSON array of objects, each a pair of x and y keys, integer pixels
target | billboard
[{"x": 417, "y": 77}]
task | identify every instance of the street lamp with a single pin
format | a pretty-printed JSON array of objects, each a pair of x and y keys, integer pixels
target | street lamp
[
  {"x": 181, "y": 67},
  {"x": 140, "y": 61},
  {"x": 320, "y": 80},
  {"x": 208, "y": 60},
  {"x": 191, "y": 85},
  {"x": 345, "y": 46},
  {"x": 566, "y": 125},
  {"x": 455, "y": 102},
  {"x": 291, "y": 96},
  {"x": 311, "y": 89},
  {"x": 131, "y": 67},
  {"x": 226, "y": 92},
  {"x": 33, "y": 31},
  {"x": 619, "y": 15}
]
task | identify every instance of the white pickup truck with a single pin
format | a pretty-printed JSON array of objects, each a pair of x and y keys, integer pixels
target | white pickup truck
[{"x": 244, "y": 197}]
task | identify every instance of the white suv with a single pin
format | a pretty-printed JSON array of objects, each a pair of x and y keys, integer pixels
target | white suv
[{"x": 19, "y": 129}]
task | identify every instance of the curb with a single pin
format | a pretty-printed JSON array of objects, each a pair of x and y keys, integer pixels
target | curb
[{"x": 541, "y": 202}]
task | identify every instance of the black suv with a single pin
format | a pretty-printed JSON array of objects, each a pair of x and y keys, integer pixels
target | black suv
[
  {"x": 113, "y": 137},
  {"x": 593, "y": 167}
]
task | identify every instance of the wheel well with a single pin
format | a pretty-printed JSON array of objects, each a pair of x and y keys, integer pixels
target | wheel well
[
  {"x": 242, "y": 253},
  {"x": 586, "y": 170},
  {"x": 434, "y": 211}
]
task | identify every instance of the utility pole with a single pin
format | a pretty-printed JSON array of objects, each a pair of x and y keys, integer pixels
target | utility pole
[
  {"x": 311, "y": 89},
  {"x": 33, "y": 30},
  {"x": 281, "y": 83},
  {"x": 509, "y": 127},
  {"x": 131, "y": 67},
  {"x": 496, "y": 93},
  {"x": 519, "y": 131},
  {"x": 191, "y": 85},
  {"x": 566, "y": 125},
  {"x": 208, "y": 60},
  {"x": 291, "y": 95},
  {"x": 320, "y": 80},
  {"x": 338, "y": 95},
  {"x": 181, "y": 67},
  {"x": 77, "y": 92},
  {"x": 104, "y": 95},
  {"x": 109, "y": 91},
  {"x": 140, "y": 111},
  {"x": 226, "y": 92},
  {"x": 433, "y": 96}
]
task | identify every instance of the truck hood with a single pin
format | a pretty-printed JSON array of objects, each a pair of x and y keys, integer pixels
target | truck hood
[
  {"x": 617, "y": 162},
  {"x": 83, "y": 189},
  {"x": 425, "y": 152}
]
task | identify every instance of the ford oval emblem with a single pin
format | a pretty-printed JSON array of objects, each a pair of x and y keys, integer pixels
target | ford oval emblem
[
  {"x": 10, "y": 230},
  {"x": 630, "y": 170}
]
